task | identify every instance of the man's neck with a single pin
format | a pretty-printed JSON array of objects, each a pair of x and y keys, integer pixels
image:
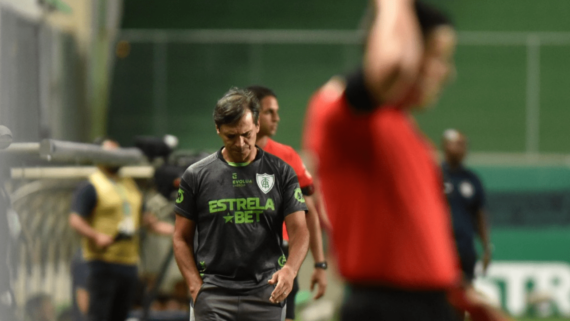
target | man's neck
[
  {"x": 453, "y": 165},
  {"x": 262, "y": 141},
  {"x": 230, "y": 159}
]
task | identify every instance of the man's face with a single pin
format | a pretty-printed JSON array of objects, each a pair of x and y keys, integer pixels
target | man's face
[
  {"x": 111, "y": 145},
  {"x": 455, "y": 147},
  {"x": 239, "y": 138},
  {"x": 269, "y": 116},
  {"x": 437, "y": 66}
]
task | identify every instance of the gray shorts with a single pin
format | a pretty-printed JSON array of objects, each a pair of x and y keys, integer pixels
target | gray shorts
[{"x": 215, "y": 303}]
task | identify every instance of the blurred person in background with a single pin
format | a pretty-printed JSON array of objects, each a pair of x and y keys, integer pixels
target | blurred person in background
[
  {"x": 40, "y": 307},
  {"x": 466, "y": 198},
  {"x": 236, "y": 200},
  {"x": 391, "y": 228},
  {"x": 268, "y": 122},
  {"x": 107, "y": 211},
  {"x": 79, "y": 291}
]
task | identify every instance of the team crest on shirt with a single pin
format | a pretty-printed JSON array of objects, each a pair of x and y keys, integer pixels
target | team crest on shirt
[
  {"x": 466, "y": 189},
  {"x": 265, "y": 182}
]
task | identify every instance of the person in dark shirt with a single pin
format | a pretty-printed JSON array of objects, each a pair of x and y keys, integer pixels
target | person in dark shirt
[
  {"x": 107, "y": 211},
  {"x": 236, "y": 201},
  {"x": 466, "y": 198}
]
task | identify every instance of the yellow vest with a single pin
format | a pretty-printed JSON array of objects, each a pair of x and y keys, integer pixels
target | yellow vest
[{"x": 107, "y": 215}]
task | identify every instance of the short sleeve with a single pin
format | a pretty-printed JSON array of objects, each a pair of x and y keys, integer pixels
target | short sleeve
[
  {"x": 186, "y": 202},
  {"x": 293, "y": 200},
  {"x": 84, "y": 200},
  {"x": 357, "y": 95}
]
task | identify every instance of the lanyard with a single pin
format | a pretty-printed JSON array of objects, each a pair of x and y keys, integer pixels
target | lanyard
[{"x": 120, "y": 189}]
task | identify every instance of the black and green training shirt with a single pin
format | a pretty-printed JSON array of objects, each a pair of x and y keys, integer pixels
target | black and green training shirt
[{"x": 239, "y": 211}]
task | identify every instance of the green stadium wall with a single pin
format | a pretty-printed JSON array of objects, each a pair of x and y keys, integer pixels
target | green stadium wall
[{"x": 487, "y": 100}]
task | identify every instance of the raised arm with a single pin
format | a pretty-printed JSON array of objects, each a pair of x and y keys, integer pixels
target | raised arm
[{"x": 394, "y": 50}]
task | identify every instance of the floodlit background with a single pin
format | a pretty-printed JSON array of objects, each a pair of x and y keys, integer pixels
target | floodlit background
[{"x": 78, "y": 69}]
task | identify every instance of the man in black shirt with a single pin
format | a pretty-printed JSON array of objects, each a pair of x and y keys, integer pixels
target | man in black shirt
[
  {"x": 236, "y": 201},
  {"x": 466, "y": 199}
]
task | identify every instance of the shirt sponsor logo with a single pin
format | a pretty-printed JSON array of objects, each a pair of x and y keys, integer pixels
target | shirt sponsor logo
[
  {"x": 240, "y": 182},
  {"x": 245, "y": 210},
  {"x": 265, "y": 182}
]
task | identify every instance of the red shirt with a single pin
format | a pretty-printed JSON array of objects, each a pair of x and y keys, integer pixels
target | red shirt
[
  {"x": 290, "y": 156},
  {"x": 383, "y": 192}
]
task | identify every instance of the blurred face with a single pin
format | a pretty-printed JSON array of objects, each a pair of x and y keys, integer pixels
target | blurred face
[
  {"x": 269, "y": 116},
  {"x": 437, "y": 65},
  {"x": 454, "y": 147},
  {"x": 111, "y": 145},
  {"x": 239, "y": 138}
]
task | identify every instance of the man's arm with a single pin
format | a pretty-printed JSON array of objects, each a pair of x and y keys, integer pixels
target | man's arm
[
  {"x": 483, "y": 231},
  {"x": 83, "y": 205},
  {"x": 319, "y": 276},
  {"x": 183, "y": 243},
  {"x": 394, "y": 50},
  {"x": 82, "y": 227},
  {"x": 298, "y": 245},
  {"x": 157, "y": 226}
]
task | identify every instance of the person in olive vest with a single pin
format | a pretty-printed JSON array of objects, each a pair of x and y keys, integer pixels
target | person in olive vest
[{"x": 107, "y": 211}]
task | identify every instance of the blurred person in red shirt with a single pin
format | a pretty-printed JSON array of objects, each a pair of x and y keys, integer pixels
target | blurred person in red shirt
[
  {"x": 381, "y": 185},
  {"x": 268, "y": 123}
]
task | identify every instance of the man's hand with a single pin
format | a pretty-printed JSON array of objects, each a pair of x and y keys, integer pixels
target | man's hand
[
  {"x": 103, "y": 241},
  {"x": 319, "y": 277},
  {"x": 486, "y": 260},
  {"x": 195, "y": 289},
  {"x": 394, "y": 51},
  {"x": 284, "y": 280}
]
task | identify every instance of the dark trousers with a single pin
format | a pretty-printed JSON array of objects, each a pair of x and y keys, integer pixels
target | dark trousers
[
  {"x": 214, "y": 303},
  {"x": 111, "y": 291},
  {"x": 290, "y": 314},
  {"x": 381, "y": 303}
]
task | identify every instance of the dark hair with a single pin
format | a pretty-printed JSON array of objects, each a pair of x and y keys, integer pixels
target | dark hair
[
  {"x": 233, "y": 106},
  {"x": 428, "y": 16},
  {"x": 261, "y": 92}
]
